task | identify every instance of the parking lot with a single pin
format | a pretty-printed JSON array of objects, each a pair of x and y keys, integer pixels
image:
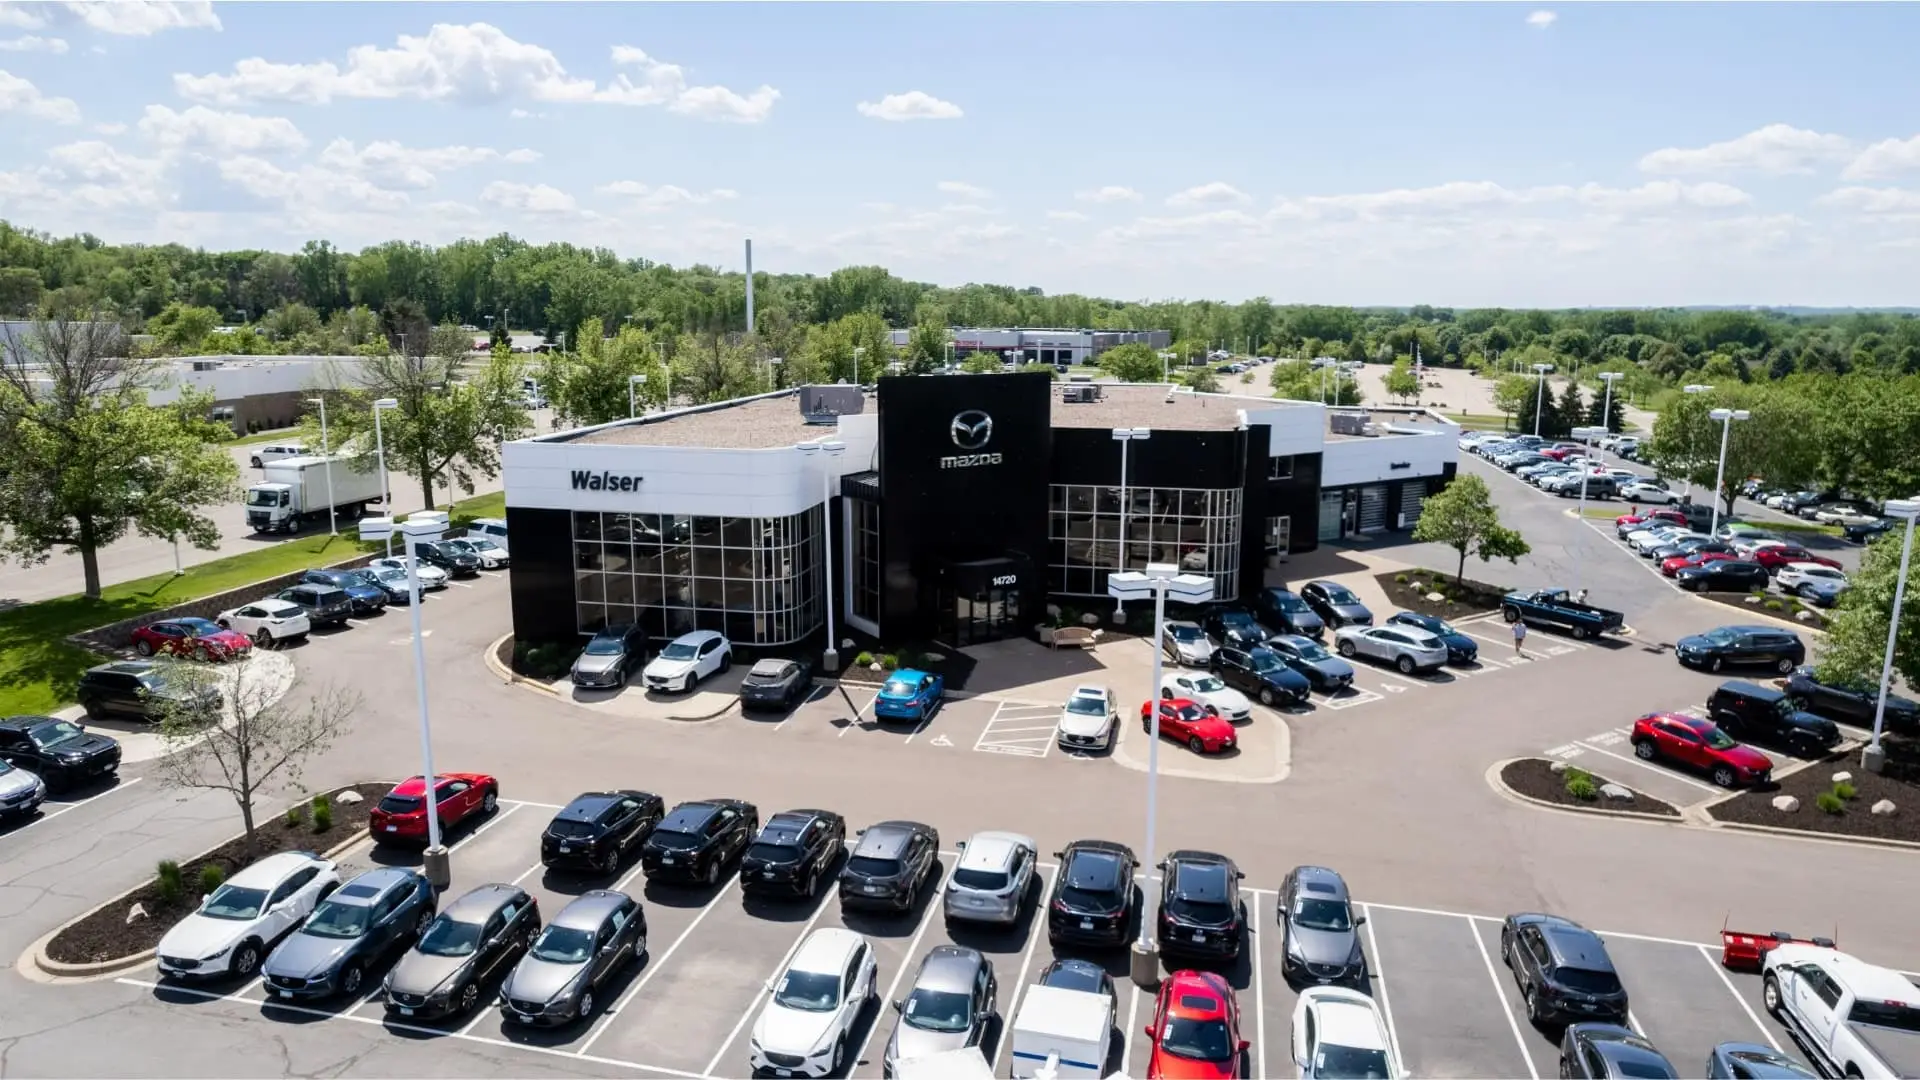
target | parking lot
[{"x": 687, "y": 1009}]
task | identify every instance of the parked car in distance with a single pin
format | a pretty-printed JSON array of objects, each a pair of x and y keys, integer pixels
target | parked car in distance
[
  {"x": 1722, "y": 575},
  {"x": 1234, "y": 626},
  {"x": 275, "y": 452},
  {"x": 686, "y": 660},
  {"x": 795, "y": 851},
  {"x": 324, "y": 604},
  {"x": 268, "y": 622},
  {"x": 1793, "y": 575},
  {"x": 350, "y": 932},
  {"x": 1210, "y": 692},
  {"x": 1557, "y": 609},
  {"x": 1701, "y": 745},
  {"x": 991, "y": 879},
  {"x": 1852, "y": 1018},
  {"x": 1082, "y": 975},
  {"x": 1340, "y": 1033},
  {"x": 1195, "y": 1029},
  {"x": 1201, "y": 914},
  {"x": 1821, "y": 592},
  {"x": 201, "y": 639},
  {"x": 1089, "y": 719},
  {"x": 1609, "y": 1051},
  {"x": 1258, "y": 671},
  {"x": 21, "y": 792},
  {"x": 1752, "y": 1061},
  {"x": 231, "y": 931},
  {"x": 431, "y": 577},
  {"x": 475, "y": 938},
  {"x": 1185, "y": 643},
  {"x": 1761, "y": 646},
  {"x": 1646, "y": 519},
  {"x": 1336, "y": 604},
  {"x": 1287, "y": 613},
  {"x": 60, "y": 752},
  {"x": 1852, "y": 701},
  {"x": 892, "y": 862},
  {"x": 143, "y": 690},
  {"x": 401, "y": 815},
  {"x": 443, "y": 554},
  {"x": 951, "y": 1004},
  {"x": 1844, "y": 514},
  {"x": 599, "y": 828},
  {"x": 776, "y": 683},
  {"x": 609, "y": 658},
  {"x": 494, "y": 529},
  {"x": 1763, "y": 714},
  {"x": 908, "y": 694},
  {"x": 1407, "y": 648},
  {"x": 1461, "y": 649},
  {"x": 1323, "y": 670},
  {"x": 1093, "y": 894},
  {"x": 363, "y": 596},
  {"x": 1649, "y": 491},
  {"x": 1319, "y": 933},
  {"x": 699, "y": 839},
  {"x": 1188, "y": 722},
  {"x": 806, "y": 1025},
  {"x": 1773, "y": 557},
  {"x": 593, "y": 937},
  {"x": 1673, "y": 565},
  {"x": 1596, "y": 486},
  {"x": 1863, "y": 532},
  {"x": 491, "y": 555},
  {"x": 1562, "y": 970}
]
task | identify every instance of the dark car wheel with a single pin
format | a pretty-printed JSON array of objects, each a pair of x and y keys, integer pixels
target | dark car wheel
[
  {"x": 490, "y": 802},
  {"x": 1345, "y": 649},
  {"x": 1722, "y": 776},
  {"x": 1770, "y": 994},
  {"x": 1266, "y": 698},
  {"x": 713, "y": 872},
  {"x": 144, "y": 648},
  {"x": 469, "y": 997},
  {"x": 1783, "y": 665},
  {"x": 1194, "y": 744},
  {"x": 1511, "y": 614},
  {"x": 1580, "y": 633},
  {"x": 94, "y": 709},
  {"x": 351, "y": 978},
  {"x": 1644, "y": 750},
  {"x": 1533, "y": 1005},
  {"x": 609, "y": 862},
  {"x": 1714, "y": 664},
  {"x": 246, "y": 959},
  {"x": 421, "y": 922},
  {"x": 1405, "y": 664},
  {"x": 585, "y": 1011},
  {"x": 263, "y": 639}
]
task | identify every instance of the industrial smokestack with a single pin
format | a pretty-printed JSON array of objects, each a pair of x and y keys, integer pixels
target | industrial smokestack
[{"x": 749, "y": 286}]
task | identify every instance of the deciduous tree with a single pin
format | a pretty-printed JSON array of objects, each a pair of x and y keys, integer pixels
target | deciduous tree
[
  {"x": 1778, "y": 442},
  {"x": 1855, "y": 644},
  {"x": 1133, "y": 362},
  {"x": 1401, "y": 383},
  {"x": 1464, "y": 518}
]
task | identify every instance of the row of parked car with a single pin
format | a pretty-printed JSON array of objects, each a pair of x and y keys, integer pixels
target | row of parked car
[
  {"x": 1860, "y": 520},
  {"x": 1565, "y": 468},
  {"x": 1738, "y": 556}
]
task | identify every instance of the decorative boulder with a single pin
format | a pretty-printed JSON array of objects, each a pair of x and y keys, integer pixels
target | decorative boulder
[
  {"x": 1435, "y": 597},
  {"x": 1803, "y": 615},
  {"x": 1842, "y": 777},
  {"x": 348, "y": 797},
  {"x": 1884, "y": 808},
  {"x": 135, "y": 914},
  {"x": 876, "y": 667},
  {"x": 1753, "y": 599},
  {"x": 1786, "y": 804},
  {"x": 1557, "y": 768},
  {"x": 1091, "y": 618},
  {"x": 1053, "y": 611},
  {"x": 1616, "y": 793}
]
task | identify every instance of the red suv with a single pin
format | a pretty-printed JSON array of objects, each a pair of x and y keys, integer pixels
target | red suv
[
  {"x": 401, "y": 817},
  {"x": 1672, "y": 566},
  {"x": 202, "y": 639},
  {"x": 1204, "y": 731},
  {"x": 1702, "y": 745},
  {"x": 1195, "y": 1029},
  {"x": 1775, "y": 556},
  {"x": 1647, "y": 519}
]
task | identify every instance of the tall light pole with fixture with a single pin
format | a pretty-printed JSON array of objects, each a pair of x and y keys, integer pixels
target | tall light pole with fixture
[
  {"x": 1726, "y": 418},
  {"x": 857, "y": 350},
  {"x": 1874, "y": 757},
  {"x": 832, "y": 449},
  {"x": 333, "y": 526},
  {"x": 773, "y": 371},
  {"x": 1160, "y": 580},
  {"x": 666, "y": 398},
  {"x": 1539, "y": 394},
  {"x": 1606, "y": 405},
  {"x": 380, "y": 450},
  {"x": 1124, "y": 436},
  {"x": 633, "y": 408},
  {"x": 1692, "y": 388}
]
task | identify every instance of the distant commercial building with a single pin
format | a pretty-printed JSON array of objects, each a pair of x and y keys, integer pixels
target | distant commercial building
[{"x": 1030, "y": 345}]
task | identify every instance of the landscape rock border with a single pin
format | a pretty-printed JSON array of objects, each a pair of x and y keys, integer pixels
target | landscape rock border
[{"x": 1496, "y": 776}]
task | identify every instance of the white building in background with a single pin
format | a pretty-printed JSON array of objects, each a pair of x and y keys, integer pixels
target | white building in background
[{"x": 1034, "y": 345}]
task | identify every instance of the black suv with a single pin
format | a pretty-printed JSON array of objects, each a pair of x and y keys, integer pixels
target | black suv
[
  {"x": 892, "y": 863},
  {"x": 1261, "y": 673},
  {"x": 1200, "y": 910},
  {"x": 1723, "y": 575},
  {"x": 1763, "y": 714},
  {"x": 1287, "y": 613},
  {"x": 60, "y": 752},
  {"x": 794, "y": 853},
  {"x": 1781, "y": 650},
  {"x": 1852, "y": 701},
  {"x": 364, "y": 595},
  {"x": 1092, "y": 901},
  {"x": 1235, "y": 627},
  {"x": 1562, "y": 969},
  {"x": 698, "y": 839},
  {"x": 776, "y": 683},
  {"x": 455, "y": 562},
  {"x": 597, "y": 829},
  {"x": 325, "y": 605},
  {"x": 137, "y": 689}
]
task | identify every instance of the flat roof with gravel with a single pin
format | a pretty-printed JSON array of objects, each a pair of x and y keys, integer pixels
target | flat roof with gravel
[
  {"x": 754, "y": 424},
  {"x": 1149, "y": 406}
]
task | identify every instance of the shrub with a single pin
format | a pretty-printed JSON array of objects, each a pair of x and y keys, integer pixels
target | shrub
[
  {"x": 888, "y": 661},
  {"x": 322, "y": 813},
  {"x": 293, "y": 816},
  {"x": 1400, "y": 578},
  {"x": 1772, "y": 605},
  {"x": 863, "y": 659},
  {"x": 1828, "y": 802},
  {"x": 168, "y": 882},
  {"x": 1756, "y": 592},
  {"x": 212, "y": 876},
  {"x": 1846, "y": 791},
  {"x": 1582, "y": 788}
]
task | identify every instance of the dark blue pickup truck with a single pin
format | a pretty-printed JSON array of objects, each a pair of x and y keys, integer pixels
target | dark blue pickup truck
[{"x": 1557, "y": 610}]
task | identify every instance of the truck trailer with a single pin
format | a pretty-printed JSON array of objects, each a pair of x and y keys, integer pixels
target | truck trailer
[{"x": 299, "y": 491}]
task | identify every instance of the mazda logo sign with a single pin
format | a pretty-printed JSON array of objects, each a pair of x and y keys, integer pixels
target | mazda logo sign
[{"x": 971, "y": 429}]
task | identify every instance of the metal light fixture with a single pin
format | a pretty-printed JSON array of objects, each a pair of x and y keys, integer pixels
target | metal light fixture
[
  {"x": 333, "y": 527},
  {"x": 1874, "y": 757},
  {"x": 380, "y": 449},
  {"x": 833, "y": 449},
  {"x": 633, "y": 408},
  {"x": 1540, "y": 394},
  {"x": 1726, "y": 418},
  {"x": 1125, "y": 436}
]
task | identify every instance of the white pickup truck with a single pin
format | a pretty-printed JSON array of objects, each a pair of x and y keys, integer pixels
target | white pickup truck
[{"x": 1853, "y": 1019}]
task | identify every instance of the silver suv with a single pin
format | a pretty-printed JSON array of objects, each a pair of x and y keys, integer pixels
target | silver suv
[
  {"x": 992, "y": 878},
  {"x": 1320, "y": 943}
]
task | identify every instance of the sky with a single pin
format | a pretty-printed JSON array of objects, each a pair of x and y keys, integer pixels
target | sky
[{"x": 1487, "y": 154}]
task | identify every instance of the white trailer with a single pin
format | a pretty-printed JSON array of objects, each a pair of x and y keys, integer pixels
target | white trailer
[
  {"x": 1061, "y": 1033},
  {"x": 966, "y": 1063},
  {"x": 299, "y": 491}
]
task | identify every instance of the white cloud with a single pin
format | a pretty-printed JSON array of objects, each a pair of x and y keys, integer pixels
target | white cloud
[
  {"x": 1887, "y": 157},
  {"x": 1876, "y": 201},
  {"x": 392, "y": 165},
  {"x": 32, "y": 43},
  {"x": 1066, "y": 215},
  {"x": 912, "y": 105},
  {"x": 1469, "y": 197},
  {"x": 1775, "y": 148},
  {"x": 86, "y": 180},
  {"x": 19, "y": 95},
  {"x": 963, "y": 189},
  {"x": 472, "y": 64},
  {"x": 308, "y": 189},
  {"x": 21, "y": 16},
  {"x": 1111, "y": 193},
  {"x": 110, "y": 128},
  {"x": 649, "y": 197},
  {"x": 223, "y": 134},
  {"x": 527, "y": 198},
  {"x": 1542, "y": 19},
  {"x": 1217, "y": 193},
  {"x": 125, "y": 18}
]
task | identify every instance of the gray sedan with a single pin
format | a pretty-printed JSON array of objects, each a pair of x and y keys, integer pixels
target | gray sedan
[
  {"x": 953, "y": 999},
  {"x": 1328, "y": 673},
  {"x": 21, "y": 792},
  {"x": 1405, "y": 647}
]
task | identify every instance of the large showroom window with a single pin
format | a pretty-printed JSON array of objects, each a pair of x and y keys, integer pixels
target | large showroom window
[
  {"x": 866, "y": 559},
  {"x": 755, "y": 580},
  {"x": 1196, "y": 529}
]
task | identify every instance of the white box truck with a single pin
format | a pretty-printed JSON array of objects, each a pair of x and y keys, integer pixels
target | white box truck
[
  {"x": 966, "y": 1063},
  {"x": 1061, "y": 1033},
  {"x": 298, "y": 491}
]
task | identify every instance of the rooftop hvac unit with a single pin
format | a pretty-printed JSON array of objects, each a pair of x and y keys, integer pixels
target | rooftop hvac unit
[
  {"x": 1080, "y": 392},
  {"x": 1348, "y": 423}
]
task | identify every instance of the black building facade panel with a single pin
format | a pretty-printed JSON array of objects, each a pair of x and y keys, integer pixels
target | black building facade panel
[
  {"x": 541, "y": 581},
  {"x": 1297, "y": 498}
]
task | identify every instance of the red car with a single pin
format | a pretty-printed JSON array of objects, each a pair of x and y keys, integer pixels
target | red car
[
  {"x": 1647, "y": 519},
  {"x": 202, "y": 639},
  {"x": 1702, "y": 745},
  {"x": 1195, "y": 1029},
  {"x": 1182, "y": 720},
  {"x": 1775, "y": 556},
  {"x": 402, "y": 815},
  {"x": 1670, "y": 566}
]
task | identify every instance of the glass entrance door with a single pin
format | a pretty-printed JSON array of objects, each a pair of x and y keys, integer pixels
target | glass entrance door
[{"x": 985, "y": 615}]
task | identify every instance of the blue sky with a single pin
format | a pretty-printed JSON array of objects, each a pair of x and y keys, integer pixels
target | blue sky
[{"x": 1567, "y": 155}]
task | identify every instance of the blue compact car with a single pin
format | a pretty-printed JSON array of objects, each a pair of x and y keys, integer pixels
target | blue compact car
[
  {"x": 909, "y": 695},
  {"x": 1461, "y": 649}
]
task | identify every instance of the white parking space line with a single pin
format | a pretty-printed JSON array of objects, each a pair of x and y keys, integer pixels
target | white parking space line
[
  {"x": 934, "y": 903},
  {"x": 497, "y": 818},
  {"x": 67, "y": 806},
  {"x": 1034, "y": 932},
  {"x": 1408, "y": 679},
  {"x": 459, "y": 584},
  {"x": 816, "y": 694},
  {"x": 528, "y": 872},
  {"x": 1513, "y": 1024},
  {"x": 1689, "y": 781},
  {"x": 1358, "y": 697},
  {"x": 1707, "y": 954},
  {"x": 1260, "y": 996},
  {"x": 1133, "y": 1024},
  {"x": 1013, "y": 729},
  {"x": 1380, "y": 987},
  {"x": 653, "y": 968},
  {"x": 924, "y": 721},
  {"x": 754, "y": 1003},
  {"x": 854, "y": 722}
]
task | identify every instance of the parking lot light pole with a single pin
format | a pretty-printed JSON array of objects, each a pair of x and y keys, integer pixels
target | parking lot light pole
[
  {"x": 1160, "y": 580},
  {"x": 633, "y": 407},
  {"x": 1692, "y": 388},
  {"x": 1726, "y": 418},
  {"x": 380, "y": 450},
  {"x": 332, "y": 526},
  {"x": 1874, "y": 757},
  {"x": 833, "y": 448},
  {"x": 420, "y": 528},
  {"x": 1539, "y": 394},
  {"x": 1606, "y": 405},
  {"x": 1123, "y": 436}
]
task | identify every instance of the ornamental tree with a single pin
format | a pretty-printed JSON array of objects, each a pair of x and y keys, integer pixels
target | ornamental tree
[{"x": 1464, "y": 518}]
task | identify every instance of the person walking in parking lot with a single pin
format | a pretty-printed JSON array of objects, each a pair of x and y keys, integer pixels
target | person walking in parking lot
[{"x": 1519, "y": 637}]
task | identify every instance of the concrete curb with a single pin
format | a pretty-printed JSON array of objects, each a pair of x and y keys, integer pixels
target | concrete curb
[
  {"x": 1809, "y": 834},
  {"x": 1755, "y": 611},
  {"x": 1283, "y": 768},
  {"x": 1500, "y": 788},
  {"x": 714, "y": 715},
  {"x": 506, "y": 674}
]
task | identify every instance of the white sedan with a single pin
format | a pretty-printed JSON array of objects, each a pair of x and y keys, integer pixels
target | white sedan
[
  {"x": 1844, "y": 515},
  {"x": 1209, "y": 692},
  {"x": 268, "y": 622},
  {"x": 686, "y": 660},
  {"x": 1648, "y": 491},
  {"x": 1408, "y": 648},
  {"x": 431, "y": 577},
  {"x": 1339, "y": 1033},
  {"x": 241, "y": 920},
  {"x": 805, "y": 1027},
  {"x": 1795, "y": 574},
  {"x": 1089, "y": 718}
]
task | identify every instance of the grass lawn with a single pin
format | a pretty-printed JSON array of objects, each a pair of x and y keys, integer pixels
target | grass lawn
[
  {"x": 1800, "y": 527},
  {"x": 1478, "y": 421},
  {"x": 1603, "y": 513},
  {"x": 258, "y": 437},
  {"x": 38, "y": 668}
]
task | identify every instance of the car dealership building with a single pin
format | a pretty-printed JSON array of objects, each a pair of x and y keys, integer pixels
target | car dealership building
[{"x": 960, "y": 504}]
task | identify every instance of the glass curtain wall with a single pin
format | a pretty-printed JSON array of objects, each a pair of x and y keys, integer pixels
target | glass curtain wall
[
  {"x": 756, "y": 580},
  {"x": 866, "y": 559},
  {"x": 1196, "y": 529}
]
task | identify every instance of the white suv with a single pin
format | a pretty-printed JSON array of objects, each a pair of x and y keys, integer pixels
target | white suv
[
  {"x": 268, "y": 622},
  {"x": 277, "y": 452},
  {"x": 805, "y": 1027},
  {"x": 234, "y": 927}
]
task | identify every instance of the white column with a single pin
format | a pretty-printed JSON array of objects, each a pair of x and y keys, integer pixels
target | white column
[{"x": 1874, "y": 757}]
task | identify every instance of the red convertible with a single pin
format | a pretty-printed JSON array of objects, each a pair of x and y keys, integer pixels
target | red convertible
[
  {"x": 1699, "y": 744},
  {"x": 1204, "y": 731},
  {"x": 1775, "y": 556},
  {"x": 402, "y": 815},
  {"x": 202, "y": 639},
  {"x": 1669, "y": 567}
]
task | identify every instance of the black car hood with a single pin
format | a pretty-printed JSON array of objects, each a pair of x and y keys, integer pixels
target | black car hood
[
  {"x": 1806, "y": 721},
  {"x": 88, "y": 745}
]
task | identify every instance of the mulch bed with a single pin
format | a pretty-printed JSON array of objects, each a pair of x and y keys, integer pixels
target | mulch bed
[
  {"x": 1789, "y": 606},
  {"x": 954, "y": 666},
  {"x": 106, "y": 934},
  {"x": 1468, "y": 598},
  {"x": 1756, "y": 808},
  {"x": 1535, "y": 778}
]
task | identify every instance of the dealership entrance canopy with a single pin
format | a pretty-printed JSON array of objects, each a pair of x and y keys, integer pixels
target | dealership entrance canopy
[{"x": 961, "y": 505}]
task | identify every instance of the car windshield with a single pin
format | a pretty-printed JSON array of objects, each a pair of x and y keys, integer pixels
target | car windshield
[
  {"x": 898, "y": 688},
  {"x": 1717, "y": 739},
  {"x": 447, "y": 937},
  {"x": 1290, "y": 603},
  {"x": 262, "y": 497},
  {"x": 1262, "y": 661},
  {"x": 938, "y": 1010},
  {"x": 1316, "y": 914},
  {"x": 1350, "y": 1063},
  {"x": 200, "y": 626},
  {"x": 1184, "y": 633},
  {"x": 981, "y": 880},
  {"x": 868, "y": 866},
  {"x": 1188, "y": 713},
  {"x": 1310, "y": 651},
  {"x": 1198, "y": 1040},
  {"x": 234, "y": 902},
  {"x": 774, "y": 853},
  {"x": 53, "y": 733},
  {"x": 607, "y": 645},
  {"x": 1087, "y": 705},
  {"x": 808, "y": 991},
  {"x": 678, "y": 650},
  {"x": 483, "y": 544},
  {"x": 1887, "y": 1014},
  {"x": 1211, "y": 684},
  {"x": 1341, "y": 596},
  {"x": 563, "y": 945},
  {"x": 673, "y": 841},
  {"x": 1719, "y": 636},
  {"x": 336, "y": 920}
]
